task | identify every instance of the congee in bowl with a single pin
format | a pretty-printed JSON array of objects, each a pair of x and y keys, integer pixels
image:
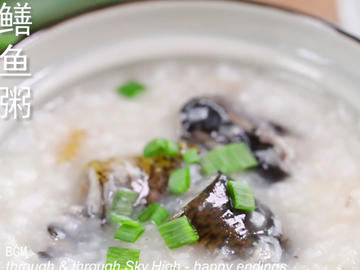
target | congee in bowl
[
  {"x": 204, "y": 135},
  {"x": 185, "y": 165}
]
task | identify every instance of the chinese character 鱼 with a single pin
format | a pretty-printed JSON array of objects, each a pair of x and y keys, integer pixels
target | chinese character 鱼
[
  {"x": 15, "y": 63},
  {"x": 20, "y": 18},
  {"x": 15, "y": 102}
]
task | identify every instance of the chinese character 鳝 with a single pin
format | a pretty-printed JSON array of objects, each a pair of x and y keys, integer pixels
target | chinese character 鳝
[{"x": 19, "y": 19}]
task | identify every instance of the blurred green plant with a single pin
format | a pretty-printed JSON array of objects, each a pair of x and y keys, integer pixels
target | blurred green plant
[
  {"x": 47, "y": 12},
  {"x": 7, "y": 39}
]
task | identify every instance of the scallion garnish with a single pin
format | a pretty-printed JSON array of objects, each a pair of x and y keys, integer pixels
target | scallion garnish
[
  {"x": 119, "y": 219},
  {"x": 178, "y": 232},
  {"x": 161, "y": 146},
  {"x": 128, "y": 233},
  {"x": 160, "y": 215},
  {"x": 171, "y": 148},
  {"x": 241, "y": 195},
  {"x": 179, "y": 180},
  {"x": 228, "y": 158},
  {"x": 130, "y": 89},
  {"x": 121, "y": 256},
  {"x": 154, "y": 212},
  {"x": 147, "y": 212},
  {"x": 191, "y": 156},
  {"x": 122, "y": 204}
]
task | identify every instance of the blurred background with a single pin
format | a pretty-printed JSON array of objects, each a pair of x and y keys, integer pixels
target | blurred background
[{"x": 344, "y": 13}]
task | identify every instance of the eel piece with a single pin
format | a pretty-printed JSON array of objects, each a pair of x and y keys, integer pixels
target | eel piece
[
  {"x": 148, "y": 177},
  {"x": 239, "y": 233},
  {"x": 210, "y": 121}
]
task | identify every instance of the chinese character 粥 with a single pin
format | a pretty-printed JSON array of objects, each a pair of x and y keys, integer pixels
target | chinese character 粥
[
  {"x": 15, "y": 63},
  {"x": 20, "y": 19},
  {"x": 15, "y": 102}
]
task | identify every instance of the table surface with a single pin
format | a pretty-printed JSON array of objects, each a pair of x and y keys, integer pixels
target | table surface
[{"x": 325, "y": 9}]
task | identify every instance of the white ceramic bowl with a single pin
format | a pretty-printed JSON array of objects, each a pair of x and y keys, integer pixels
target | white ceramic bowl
[{"x": 290, "y": 44}]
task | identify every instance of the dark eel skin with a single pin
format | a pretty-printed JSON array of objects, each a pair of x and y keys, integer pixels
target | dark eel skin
[
  {"x": 210, "y": 121},
  {"x": 219, "y": 225}
]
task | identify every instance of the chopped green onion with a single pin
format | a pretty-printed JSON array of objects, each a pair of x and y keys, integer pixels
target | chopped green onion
[
  {"x": 130, "y": 89},
  {"x": 160, "y": 215},
  {"x": 121, "y": 256},
  {"x": 128, "y": 233},
  {"x": 147, "y": 212},
  {"x": 124, "y": 220},
  {"x": 154, "y": 147},
  {"x": 191, "y": 156},
  {"x": 161, "y": 146},
  {"x": 228, "y": 158},
  {"x": 153, "y": 212},
  {"x": 122, "y": 203},
  {"x": 207, "y": 164},
  {"x": 171, "y": 148},
  {"x": 179, "y": 180},
  {"x": 241, "y": 195},
  {"x": 178, "y": 232}
]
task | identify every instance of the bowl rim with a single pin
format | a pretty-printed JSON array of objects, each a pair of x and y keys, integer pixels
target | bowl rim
[{"x": 326, "y": 23}]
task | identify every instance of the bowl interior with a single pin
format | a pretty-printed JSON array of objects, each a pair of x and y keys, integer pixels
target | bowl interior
[{"x": 290, "y": 46}]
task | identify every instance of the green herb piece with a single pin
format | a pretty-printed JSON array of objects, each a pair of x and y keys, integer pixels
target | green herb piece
[
  {"x": 119, "y": 219},
  {"x": 228, "y": 158},
  {"x": 161, "y": 146},
  {"x": 160, "y": 215},
  {"x": 178, "y": 232},
  {"x": 147, "y": 212},
  {"x": 130, "y": 89},
  {"x": 171, "y": 148},
  {"x": 123, "y": 201},
  {"x": 154, "y": 212},
  {"x": 241, "y": 195},
  {"x": 121, "y": 256},
  {"x": 179, "y": 180},
  {"x": 191, "y": 156},
  {"x": 208, "y": 165},
  {"x": 128, "y": 233},
  {"x": 154, "y": 147}
]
